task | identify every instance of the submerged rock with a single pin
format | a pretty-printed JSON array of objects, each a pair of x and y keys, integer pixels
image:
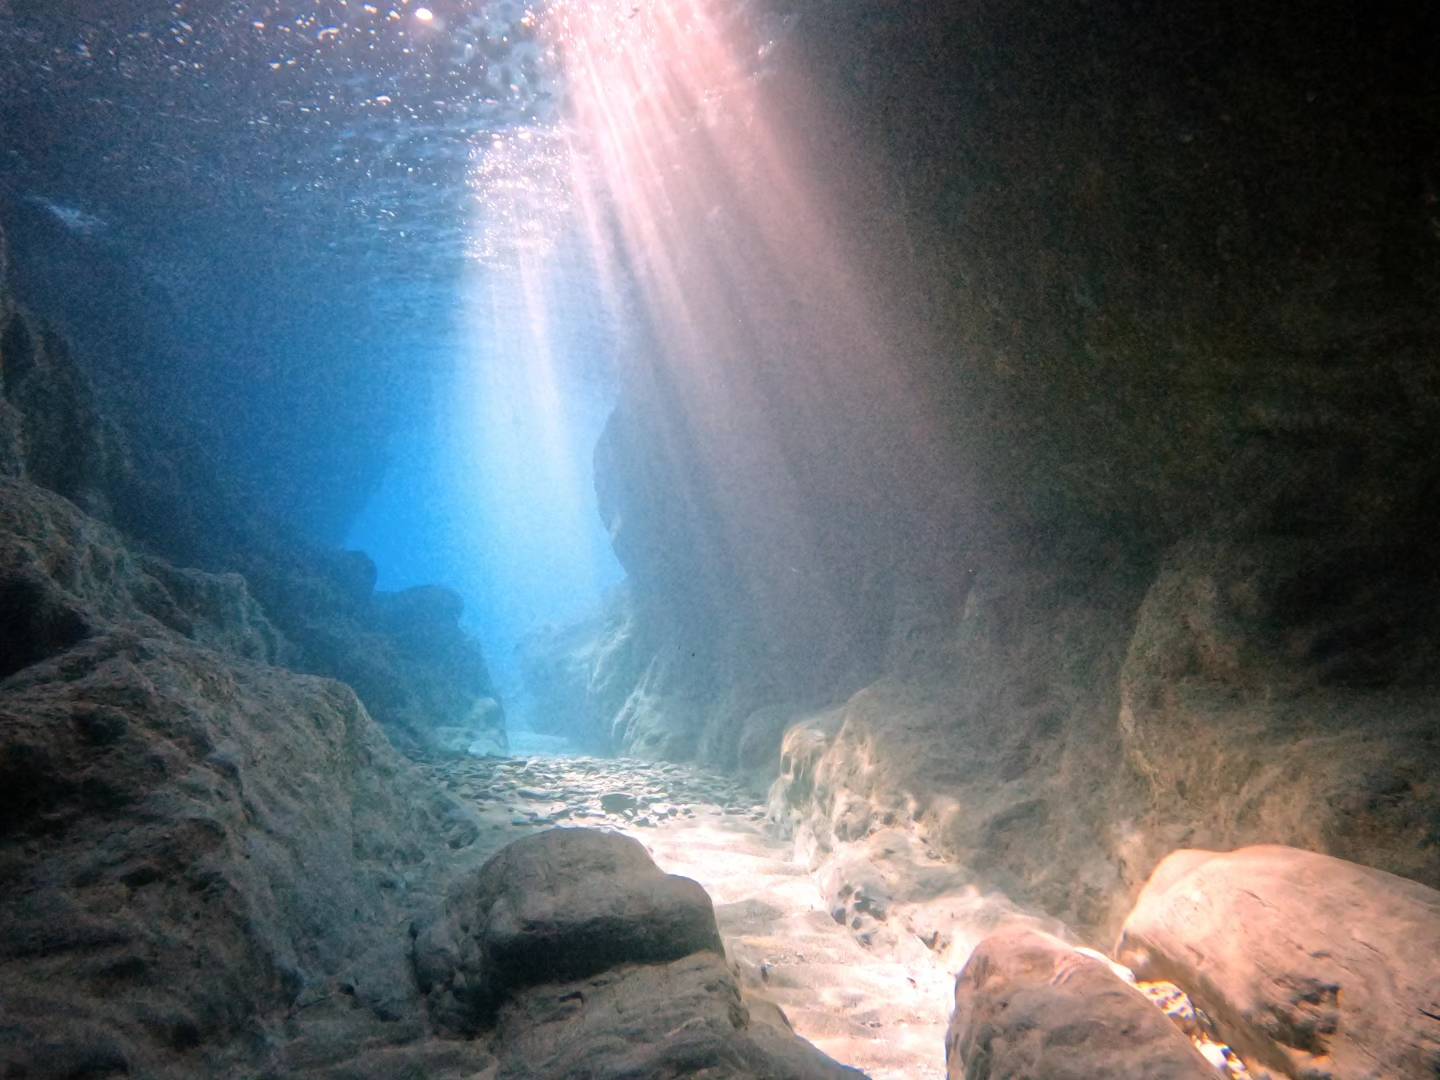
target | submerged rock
[
  {"x": 1027, "y": 1005},
  {"x": 564, "y": 904},
  {"x": 587, "y": 960},
  {"x": 193, "y": 844},
  {"x": 416, "y": 670},
  {"x": 207, "y": 859},
  {"x": 1315, "y": 967},
  {"x": 618, "y": 802}
]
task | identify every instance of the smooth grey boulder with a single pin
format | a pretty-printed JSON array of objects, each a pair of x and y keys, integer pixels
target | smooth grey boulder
[
  {"x": 1028, "y": 1005},
  {"x": 562, "y": 904},
  {"x": 583, "y": 960},
  {"x": 1310, "y": 965}
]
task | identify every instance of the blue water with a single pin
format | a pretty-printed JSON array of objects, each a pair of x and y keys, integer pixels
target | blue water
[
  {"x": 343, "y": 240},
  {"x": 471, "y": 499}
]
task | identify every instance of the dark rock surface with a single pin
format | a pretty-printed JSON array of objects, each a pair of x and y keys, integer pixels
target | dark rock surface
[
  {"x": 1029, "y": 1005},
  {"x": 196, "y": 848},
  {"x": 1315, "y": 967},
  {"x": 64, "y": 574},
  {"x": 422, "y": 676},
  {"x": 208, "y": 860}
]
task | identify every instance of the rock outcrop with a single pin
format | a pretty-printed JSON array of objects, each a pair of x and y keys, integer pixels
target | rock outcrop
[
  {"x": 1028, "y": 1005},
  {"x": 1314, "y": 967},
  {"x": 195, "y": 842},
  {"x": 196, "y": 845},
  {"x": 420, "y": 675},
  {"x": 209, "y": 861}
]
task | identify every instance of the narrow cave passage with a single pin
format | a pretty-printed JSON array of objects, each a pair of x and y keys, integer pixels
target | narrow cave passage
[{"x": 755, "y": 539}]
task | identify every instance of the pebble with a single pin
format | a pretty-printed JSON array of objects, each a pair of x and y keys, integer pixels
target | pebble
[{"x": 617, "y": 802}]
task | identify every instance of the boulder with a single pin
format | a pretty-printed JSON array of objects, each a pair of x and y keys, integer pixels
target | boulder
[
  {"x": 563, "y": 904},
  {"x": 1029, "y": 1005},
  {"x": 583, "y": 959},
  {"x": 1310, "y": 965}
]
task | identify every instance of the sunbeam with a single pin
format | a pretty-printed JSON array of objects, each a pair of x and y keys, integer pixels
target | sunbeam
[{"x": 749, "y": 301}]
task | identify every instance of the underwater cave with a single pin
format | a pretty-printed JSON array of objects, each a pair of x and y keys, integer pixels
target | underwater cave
[{"x": 775, "y": 539}]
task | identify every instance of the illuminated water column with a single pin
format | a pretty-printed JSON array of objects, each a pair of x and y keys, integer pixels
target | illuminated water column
[
  {"x": 532, "y": 389},
  {"x": 714, "y": 196}
]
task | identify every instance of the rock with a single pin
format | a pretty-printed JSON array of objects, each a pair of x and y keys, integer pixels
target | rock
[
  {"x": 66, "y": 444},
  {"x": 1315, "y": 651},
  {"x": 191, "y": 842},
  {"x": 677, "y": 1019},
  {"x": 758, "y": 751},
  {"x": 404, "y": 653},
  {"x": 1028, "y": 1005},
  {"x": 63, "y": 575},
  {"x": 634, "y": 680},
  {"x": 589, "y": 961},
  {"x": 562, "y": 904},
  {"x": 1315, "y": 967},
  {"x": 618, "y": 802},
  {"x": 207, "y": 861},
  {"x": 555, "y": 666},
  {"x": 481, "y": 734},
  {"x": 421, "y": 615}
]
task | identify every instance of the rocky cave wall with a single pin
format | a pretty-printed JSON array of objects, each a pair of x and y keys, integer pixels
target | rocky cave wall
[
  {"x": 418, "y": 673},
  {"x": 1169, "y": 282}
]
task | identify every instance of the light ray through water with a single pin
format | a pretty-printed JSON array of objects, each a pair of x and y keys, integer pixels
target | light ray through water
[{"x": 678, "y": 212}]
